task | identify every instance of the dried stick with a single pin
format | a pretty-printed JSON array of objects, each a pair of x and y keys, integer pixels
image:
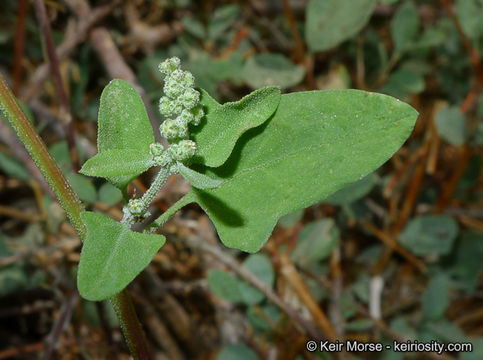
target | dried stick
[
  {"x": 19, "y": 44},
  {"x": 65, "y": 113}
]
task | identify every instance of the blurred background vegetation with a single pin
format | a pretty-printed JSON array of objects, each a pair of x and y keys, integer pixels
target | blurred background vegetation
[{"x": 397, "y": 255}]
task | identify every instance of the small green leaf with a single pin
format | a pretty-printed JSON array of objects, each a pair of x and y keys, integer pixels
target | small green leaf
[
  {"x": 429, "y": 235},
  {"x": 330, "y": 22},
  {"x": 83, "y": 187},
  {"x": 224, "y": 285},
  {"x": 117, "y": 162},
  {"x": 271, "y": 69},
  {"x": 12, "y": 167},
  {"x": 123, "y": 124},
  {"x": 260, "y": 265},
  {"x": 109, "y": 194},
  {"x": 451, "y": 125},
  {"x": 198, "y": 180},
  {"x": 218, "y": 133},
  {"x": 405, "y": 27},
  {"x": 436, "y": 298},
  {"x": 316, "y": 241},
  {"x": 316, "y": 143},
  {"x": 222, "y": 19},
  {"x": 112, "y": 256},
  {"x": 291, "y": 219}
]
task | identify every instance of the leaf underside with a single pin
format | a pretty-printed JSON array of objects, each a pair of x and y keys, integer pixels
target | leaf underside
[
  {"x": 198, "y": 180},
  {"x": 112, "y": 256},
  {"x": 316, "y": 143}
]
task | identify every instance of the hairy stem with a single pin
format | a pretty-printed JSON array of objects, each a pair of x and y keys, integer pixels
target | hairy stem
[{"x": 69, "y": 200}]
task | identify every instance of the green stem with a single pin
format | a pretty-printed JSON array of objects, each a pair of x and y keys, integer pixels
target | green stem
[
  {"x": 163, "y": 218},
  {"x": 69, "y": 200}
]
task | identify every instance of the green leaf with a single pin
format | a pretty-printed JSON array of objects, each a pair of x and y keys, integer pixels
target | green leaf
[
  {"x": 219, "y": 131},
  {"x": 116, "y": 163},
  {"x": 260, "y": 265},
  {"x": 237, "y": 352},
  {"x": 123, "y": 124},
  {"x": 112, "y": 256},
  {"x": 436, "y": 297},
  {"x": 451, "y": 125},
  {"x": 198, "y": 180},
  {"x": 352, "y": 192},
  {"x": 330, "y": 22},
  {"x": 233, "y": 289},
  {"x": 224, "y": 285},
  {"x": 271, "y": 69},
  {"x": 469, "y": 13},
  {"x": 402, "y": 82},
  {"x": 223, "y": 18},
  {"x": 83, "y": 187},
  {"x": 316, "y": 241},
  {"x": 109, "y": 194},
  {"x": 209, "y": 104},
  {"x": 429, "y": 235},
  {"x": 291, "y": 219},
  {"x": 405, "y": 27},
  {"x": 316, "y": 143},
  {"x": 12, "y": 167}
]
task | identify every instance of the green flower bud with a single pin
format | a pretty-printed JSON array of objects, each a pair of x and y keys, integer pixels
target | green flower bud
[
  {"x": 198, "y": 114},
  {"x": 183, "y": 150},
  {"x": 172, "y": 129},
  {"x": 156, "y": 149},
  {"x": 168, "y": 107},
  {"x": 169, "y": 65},
  {"x": 135, "y": 207},
  {"x": 190, "y": 98},
  {"x": 185, "y": 117}
]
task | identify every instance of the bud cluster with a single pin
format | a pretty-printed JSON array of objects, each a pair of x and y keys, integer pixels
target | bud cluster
[{"x": 181, "y": 107}]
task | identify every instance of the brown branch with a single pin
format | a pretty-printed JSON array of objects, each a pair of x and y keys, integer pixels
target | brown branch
[
  {"x": 65, "y": 113},
  {"x": 19, "y": 44},
  {"x": 299, "y": 53}
]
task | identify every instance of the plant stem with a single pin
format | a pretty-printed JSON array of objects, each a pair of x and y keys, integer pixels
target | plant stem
[
  {"x": 69, "y": 200},
  {"x": 130, "y": 325}
]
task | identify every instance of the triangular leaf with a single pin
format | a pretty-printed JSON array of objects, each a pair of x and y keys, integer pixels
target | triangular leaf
[
  {"x": 198, "y": 180},
  {"x": 316, "y": 143},
  {"x": 219, "y": 131},
  {"x": 117, "y": 162},
  {"x": 112, "y": 256},
  {"x": 123, "y": 124}
]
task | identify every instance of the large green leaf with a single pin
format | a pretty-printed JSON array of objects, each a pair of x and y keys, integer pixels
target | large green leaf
[
  {"x": 316, "y": 143},
  {"x": 330, "y": 22},
  {"x": 200, "y": 181},
  {"x": 117, "y": 162},
  {"x": 112, "y": 256},
  {"x": 123, "y": 124},
  {"x": 219, "y": 131}
]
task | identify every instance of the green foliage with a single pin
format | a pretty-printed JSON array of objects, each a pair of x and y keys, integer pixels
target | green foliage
[
  {"x": 451, "y": 125},
  {"x": 436, "y": 297},
  {"x": 117, "y": 163},
  {"x": 237, "y": 352},
  {"x": 13, "y": 168},
  {"x": 109, "y": 194},
  {"x": 316, "y": 143},
  {"x": 233, "y": 289},
  {"x": 429, "y": 235},
  {"x": 352, "y": 192},
  {"x": 330, "y": 22},
  {"x": 405, "y": 27},
  {"x": 199, "y": 181},
  {"x": 112, "y": 256},
  {"x": 123, "y": 124},
  {"x": 217, "y": 135},
  {"x": 316, "y": 241},
  {"x": 271, "y": 69}
]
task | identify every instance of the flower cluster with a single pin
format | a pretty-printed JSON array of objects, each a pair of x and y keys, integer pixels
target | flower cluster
[{"x": 180, "y": 106}]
